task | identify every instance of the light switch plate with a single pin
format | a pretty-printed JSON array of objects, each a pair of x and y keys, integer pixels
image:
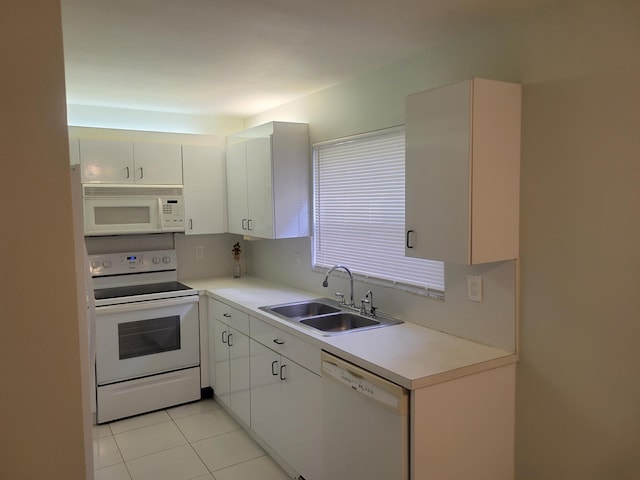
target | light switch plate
[{"x": 474, "y": 288}]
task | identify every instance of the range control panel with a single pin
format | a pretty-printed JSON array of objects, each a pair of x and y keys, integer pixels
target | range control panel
[{"x": 132, "y": 262}]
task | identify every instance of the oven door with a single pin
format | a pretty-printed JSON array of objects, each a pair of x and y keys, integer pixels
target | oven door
[{"x": 145, "y": 338}]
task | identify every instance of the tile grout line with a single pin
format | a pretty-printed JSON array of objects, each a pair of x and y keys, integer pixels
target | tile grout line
[{"x": 188, "y": 442}]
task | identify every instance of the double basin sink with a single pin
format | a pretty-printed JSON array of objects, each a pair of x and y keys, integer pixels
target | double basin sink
[{"x": 327, "y": 317}]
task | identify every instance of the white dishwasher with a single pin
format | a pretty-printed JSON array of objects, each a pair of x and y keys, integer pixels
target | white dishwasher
[{"x": 366, "y": 424}]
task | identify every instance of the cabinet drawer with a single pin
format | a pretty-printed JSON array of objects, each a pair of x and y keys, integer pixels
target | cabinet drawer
[
  {"x": 286, "y": 344},
  {"x": 229, "y": 315}
]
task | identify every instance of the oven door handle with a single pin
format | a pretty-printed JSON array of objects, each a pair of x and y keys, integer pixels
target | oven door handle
[{"x": 145, "y": 305}]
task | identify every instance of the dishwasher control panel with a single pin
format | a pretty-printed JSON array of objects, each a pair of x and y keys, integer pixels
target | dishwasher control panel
[{"x": 365, "y": 383}]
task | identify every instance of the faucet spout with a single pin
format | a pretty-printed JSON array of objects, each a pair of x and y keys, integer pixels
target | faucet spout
[{"x": 325, "y": 283}]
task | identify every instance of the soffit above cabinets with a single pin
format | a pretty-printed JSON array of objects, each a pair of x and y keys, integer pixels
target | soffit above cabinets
[{"x": 231, "y": 58}]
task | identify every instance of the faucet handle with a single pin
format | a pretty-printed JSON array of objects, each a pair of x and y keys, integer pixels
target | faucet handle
[
  {"x": 369, "y": 299},
  {"x": 341, "y": 296},
  {"x": 363, "y": 305}
]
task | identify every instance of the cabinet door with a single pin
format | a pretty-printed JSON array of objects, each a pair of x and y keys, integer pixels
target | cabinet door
[
  {"x": 437, "y": 173},
  {"x": 463, "y": 172},
  {"x": 239, "y": 376},
  {"x": 106, "y": 161},
  {"x": 237, "y": 188},
  {"x": 301, "y": 404},
  {"x": 286, "y": 406},
  {"x": 219, "y": 361},
  {"x": 266, "y": 414},
  {"x": 260, "y": 187},
  {"x": 205, "y": 189},
  {"x": 157, "y": 163}
]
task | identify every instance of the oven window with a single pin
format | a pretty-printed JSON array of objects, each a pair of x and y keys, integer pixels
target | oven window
[{"x": 146, "y": 337}]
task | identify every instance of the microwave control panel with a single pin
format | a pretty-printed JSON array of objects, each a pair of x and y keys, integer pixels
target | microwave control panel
[{"x": 171, "y": 214}]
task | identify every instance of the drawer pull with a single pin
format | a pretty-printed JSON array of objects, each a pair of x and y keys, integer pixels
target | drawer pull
[
  {"x": 278, "y": 341},
  {"x": 227, "y": 315}
]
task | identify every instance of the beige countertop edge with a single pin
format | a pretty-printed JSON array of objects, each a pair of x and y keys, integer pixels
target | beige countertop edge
[
  {"x": 464, "y": 371},
  {"x": 228, "y": 290}
]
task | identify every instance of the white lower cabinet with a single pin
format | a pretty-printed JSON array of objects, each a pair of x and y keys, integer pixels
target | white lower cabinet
[
  {"x": 271, "y": 380},
  {"x": 229, "y": 365},
  {"x": 286, "y": 405}
]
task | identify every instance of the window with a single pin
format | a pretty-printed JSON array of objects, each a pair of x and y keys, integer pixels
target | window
[{"x": 359, "y": 212}]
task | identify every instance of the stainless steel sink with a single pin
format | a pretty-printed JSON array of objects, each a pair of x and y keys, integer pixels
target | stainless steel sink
[
  {"x": 339, "y": 322},
  {"x": 327, "y": 317},
  {"x": 304, "y": 309}
]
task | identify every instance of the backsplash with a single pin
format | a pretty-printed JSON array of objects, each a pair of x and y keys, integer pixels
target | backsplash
[{"x": 491, "y": 322}]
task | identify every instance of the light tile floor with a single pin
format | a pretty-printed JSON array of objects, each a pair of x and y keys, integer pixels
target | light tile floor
[{"x": 198, "y": 441}]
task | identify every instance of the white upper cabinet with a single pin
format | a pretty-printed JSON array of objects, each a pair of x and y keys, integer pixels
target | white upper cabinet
[
  {"x": 237, "y": 195},
  {"x": 106, "y": 161},
  {"x": 463, "y": 172},
  {"x": 157, "y": 163},
  {"x": 205, "y": 189},
  {"x": 268, "y": 181}
]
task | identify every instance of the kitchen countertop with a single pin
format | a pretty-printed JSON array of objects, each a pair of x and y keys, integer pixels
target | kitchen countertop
[{"x": 410, "y": 355}]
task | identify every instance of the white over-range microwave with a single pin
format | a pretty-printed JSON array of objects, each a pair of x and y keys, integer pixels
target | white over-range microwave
[{"x": 112, "y": 209}]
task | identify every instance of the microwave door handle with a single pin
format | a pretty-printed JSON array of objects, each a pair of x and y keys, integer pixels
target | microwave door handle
[{"x": 160, "y": 217}]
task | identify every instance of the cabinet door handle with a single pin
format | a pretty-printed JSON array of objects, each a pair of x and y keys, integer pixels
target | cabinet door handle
[
  {"x": 283, "y": 368},
  {"x": 229, "y": 338},
  {"x": 244, "y": 224},
  {"x": 127, "y": 168},
  {"x": 409, "y": 232},
  {"x": 249, "y": 227},
  {"x": 274, "y": 368},
  {"x": 223, "y": 334},
  {"x": 191, "y": 224},
  {"x": 141, "y": 173},
  {"x": 278, "y": 341}
]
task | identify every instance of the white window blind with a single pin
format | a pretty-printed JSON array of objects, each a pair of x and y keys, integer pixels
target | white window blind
[{"x": 359, "y": 211}]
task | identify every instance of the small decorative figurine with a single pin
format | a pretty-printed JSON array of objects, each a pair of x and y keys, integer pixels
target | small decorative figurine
[{"x": 237, "y": 269}]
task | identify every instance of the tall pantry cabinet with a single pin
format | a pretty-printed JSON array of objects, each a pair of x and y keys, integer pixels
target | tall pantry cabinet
[{"x": 463, "y": 172}]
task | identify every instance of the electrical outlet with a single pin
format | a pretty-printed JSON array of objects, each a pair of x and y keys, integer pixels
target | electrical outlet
[
  {"x": 200, "y": 252},
  {"x": 474, "y": 288}
]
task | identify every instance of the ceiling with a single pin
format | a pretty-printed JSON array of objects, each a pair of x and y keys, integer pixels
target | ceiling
[{"x": 236, "y": 58}]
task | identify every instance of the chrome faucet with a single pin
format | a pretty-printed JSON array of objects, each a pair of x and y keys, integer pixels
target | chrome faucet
[{"x": 326, "y": 284}]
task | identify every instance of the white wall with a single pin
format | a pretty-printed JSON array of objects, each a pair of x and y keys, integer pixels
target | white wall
[
  {"x": 578, "y": 395},
  {"x": 128, "y": 119},
  {"x": 376, "y": 101}
]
